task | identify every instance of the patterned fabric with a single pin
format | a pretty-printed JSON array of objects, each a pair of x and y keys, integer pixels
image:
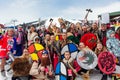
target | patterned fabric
[{"x": 113, "y": 44}]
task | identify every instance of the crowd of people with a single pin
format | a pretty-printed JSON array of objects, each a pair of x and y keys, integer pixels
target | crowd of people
[{"x": 14, "y": 46}]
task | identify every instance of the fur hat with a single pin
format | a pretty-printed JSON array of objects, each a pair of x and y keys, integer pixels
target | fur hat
[{"x": 21, "y": 67}]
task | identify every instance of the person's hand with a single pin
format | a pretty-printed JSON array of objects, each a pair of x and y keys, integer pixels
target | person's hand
[{"x": 75, "y": 71}]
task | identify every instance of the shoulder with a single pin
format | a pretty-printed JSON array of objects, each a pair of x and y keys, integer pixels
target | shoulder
[{"x": 71, "y": 60}]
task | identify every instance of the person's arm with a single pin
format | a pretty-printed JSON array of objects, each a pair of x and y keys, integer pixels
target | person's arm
[
  {"x": 34, "y": 69},
  {"x": 14, "y": 46},
  {"x": 76, "y": 66}
]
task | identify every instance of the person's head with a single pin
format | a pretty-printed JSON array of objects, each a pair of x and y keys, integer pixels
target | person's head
[
  {"x": 81, "y": 45},
  {"x": 52, "y": 38},
  {"x": 25, "y": 52},
  {"x": 57, "y": 30},
  {"x": 67, "y": 55},
  {"x": 63, "y": 26},
  {"x": 103, "y": 27},
  {"x": 43, "y": 28},
  {"x": 99, "y": 46},
  {"x": 84, "y": 28},
  {"x": 64, "y": 36},
  {"x": 36, "y": 39},
  {"x": 20, "y": 28},
  {"x": 78, "y": 26},
  {"x": 10, "y": 32},
  {"x": 72, "y": 26},
  {"x": 47, "y": 36},
  {"x": 45, "y": 59},
  {"x": 45, "y": 53},
  {"x": 94, "y": 25},
  {"x": 1, "y": 26},
  {"x": 113, "y": 34},
  {"x": 32, "y": 28},
  {"x": 110, "y": 34}
]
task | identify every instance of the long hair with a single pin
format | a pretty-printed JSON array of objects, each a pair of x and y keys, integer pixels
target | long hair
[{"x": 99, "y": 51}]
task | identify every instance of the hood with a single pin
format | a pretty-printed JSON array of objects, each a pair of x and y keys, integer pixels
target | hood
[
  {"x": 36, "y": 37},
  {"x": 109, "y": 32}
]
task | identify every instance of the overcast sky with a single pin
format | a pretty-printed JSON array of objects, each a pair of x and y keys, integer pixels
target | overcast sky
[{"x": 30, "y": 10}]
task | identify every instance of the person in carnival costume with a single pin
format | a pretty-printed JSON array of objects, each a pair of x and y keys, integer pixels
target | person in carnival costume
[
  {"x": 100, "y": 48},
  {"x": 113, "y": 44},
  {"x": 9, "y": 46},
  {"x": 83, "y": 72},
  {"x": 3, "y": 54},
  {"x": 102, "y": 34},
  {"x": 20, "y": 39},
  {"x": 43, "y": 70},
  {"x": 72, "y": 66},
  {"x": 31, "y": 34}
]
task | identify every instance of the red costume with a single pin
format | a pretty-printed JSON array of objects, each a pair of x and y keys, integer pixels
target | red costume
[
  {"x": 3, "y": 53},
  {"x": 7, "y": 44}
]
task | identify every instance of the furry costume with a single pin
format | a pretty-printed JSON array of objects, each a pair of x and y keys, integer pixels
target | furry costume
[{"x": 20, "y": 67}]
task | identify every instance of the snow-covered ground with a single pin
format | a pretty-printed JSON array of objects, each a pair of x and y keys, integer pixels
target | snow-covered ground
[{"x": 8, "y": 75}]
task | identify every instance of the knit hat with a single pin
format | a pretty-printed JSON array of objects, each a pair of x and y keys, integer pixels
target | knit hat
[{"x": 45, "y": 52}]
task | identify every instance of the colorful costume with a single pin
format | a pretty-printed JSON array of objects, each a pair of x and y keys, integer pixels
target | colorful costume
[
  {"x": 113, "y": 44},
  {"x": 9, "y": 44},
  {"x": 2, "y": 48}
]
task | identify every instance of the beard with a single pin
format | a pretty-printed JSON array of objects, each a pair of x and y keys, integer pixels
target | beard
[{"x": 45, "y": 61}]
